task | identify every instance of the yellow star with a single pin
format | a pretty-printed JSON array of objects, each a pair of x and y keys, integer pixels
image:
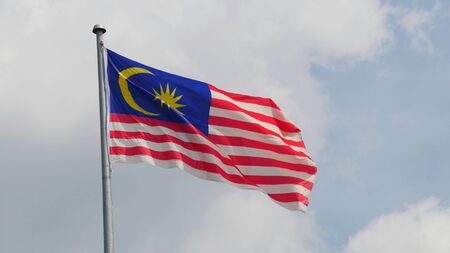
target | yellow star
[{"x": 168, "y": 98}]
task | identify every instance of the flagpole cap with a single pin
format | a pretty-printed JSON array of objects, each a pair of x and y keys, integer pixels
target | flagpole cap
[{"x": 98, "y": 28}]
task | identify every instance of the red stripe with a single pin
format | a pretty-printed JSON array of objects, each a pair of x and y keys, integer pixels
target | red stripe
[
  {"x": 261, "y": 161},
  {"x": 175, "y": 155},
  {"x": 209, "y": 167},
  {"x": 178, "y": 127},
  {"x": 290, "y": 197},
  {"x": 216, "y": 139},
  {"x": 198, "y": 147},
  {"x": 270, "y": 180},
  {"x": 252, "y": 127},
  {"x": 246, "y": 98},
  {"x": 233, "y": 161},
  {"x": 244, "y": 142},
  {"x": 282, "y": 125},
  {"x": 187, "y": 128}
]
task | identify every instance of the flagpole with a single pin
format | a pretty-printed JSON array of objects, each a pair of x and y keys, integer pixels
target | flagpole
[{"x": 99, "y": 30}]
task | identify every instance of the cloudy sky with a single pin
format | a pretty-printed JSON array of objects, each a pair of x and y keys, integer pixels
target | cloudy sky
[{"x": 367, "y": 81}]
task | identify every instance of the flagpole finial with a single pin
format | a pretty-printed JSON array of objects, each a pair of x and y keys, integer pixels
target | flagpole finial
[{"x": 98, "y": 28}]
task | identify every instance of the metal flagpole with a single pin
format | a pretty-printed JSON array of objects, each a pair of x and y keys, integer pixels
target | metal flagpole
[{"x": 99, "y": 30}]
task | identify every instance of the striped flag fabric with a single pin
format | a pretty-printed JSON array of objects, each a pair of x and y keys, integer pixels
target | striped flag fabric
[{"x": 171, "y": 121}]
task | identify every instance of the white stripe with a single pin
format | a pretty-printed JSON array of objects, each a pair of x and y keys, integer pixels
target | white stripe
[
  {"x": 264, "y": 153},
  {"x": 170, "y": 146},
  {"x": 271, "y": 189},
  {"x": 262, "y": 109},
  {"x": 207, "y": 157},
  {"x": 294, "y": 206},
  {"x": 285, "y": 188},
  {"x": 161, "y": 130},
  {"x": 236, "y": 132},
  {"x": 274, "y": 171},
  {"x": 237, "y": 115},
  {"x": 180, "y": 165},
  {"x": 195, "y": 138},
  {"x": 168, "y": 164},
  {"x": 224, "y": 150}
]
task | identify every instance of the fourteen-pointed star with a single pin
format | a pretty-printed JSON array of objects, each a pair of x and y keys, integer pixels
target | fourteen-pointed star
[{"x": 168, "y": 98}]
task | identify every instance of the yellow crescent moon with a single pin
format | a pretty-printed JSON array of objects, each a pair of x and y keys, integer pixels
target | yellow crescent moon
[{"x": 123, "y": 84}]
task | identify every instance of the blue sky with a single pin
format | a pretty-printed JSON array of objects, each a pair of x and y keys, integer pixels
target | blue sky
[
  {"x": 398, "y": 154},
  {"x": 367, "y": 81}
]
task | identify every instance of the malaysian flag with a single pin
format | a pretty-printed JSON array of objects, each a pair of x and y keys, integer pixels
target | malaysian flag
[{"x": 174, "y": 122}]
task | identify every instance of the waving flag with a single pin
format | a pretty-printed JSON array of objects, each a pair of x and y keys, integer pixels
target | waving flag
[{"x": 175, "y": 122}]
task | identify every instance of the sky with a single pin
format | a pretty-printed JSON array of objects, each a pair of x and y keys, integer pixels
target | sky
[{"x": 367, "y": 81}]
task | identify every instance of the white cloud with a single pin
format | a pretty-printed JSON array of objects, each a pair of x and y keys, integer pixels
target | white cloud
[
  {"x": 49, "y": 85},
  {"x": 262, "y": 48},
  {"x": 415, "y": 19},
  {"x": 421, "y": 228},
  {"x": 239, "y": 222},
  {"x": 247, "y": 221},
  {"x": 344, "y": 28},
  {"x": 415, "y": 22}
]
